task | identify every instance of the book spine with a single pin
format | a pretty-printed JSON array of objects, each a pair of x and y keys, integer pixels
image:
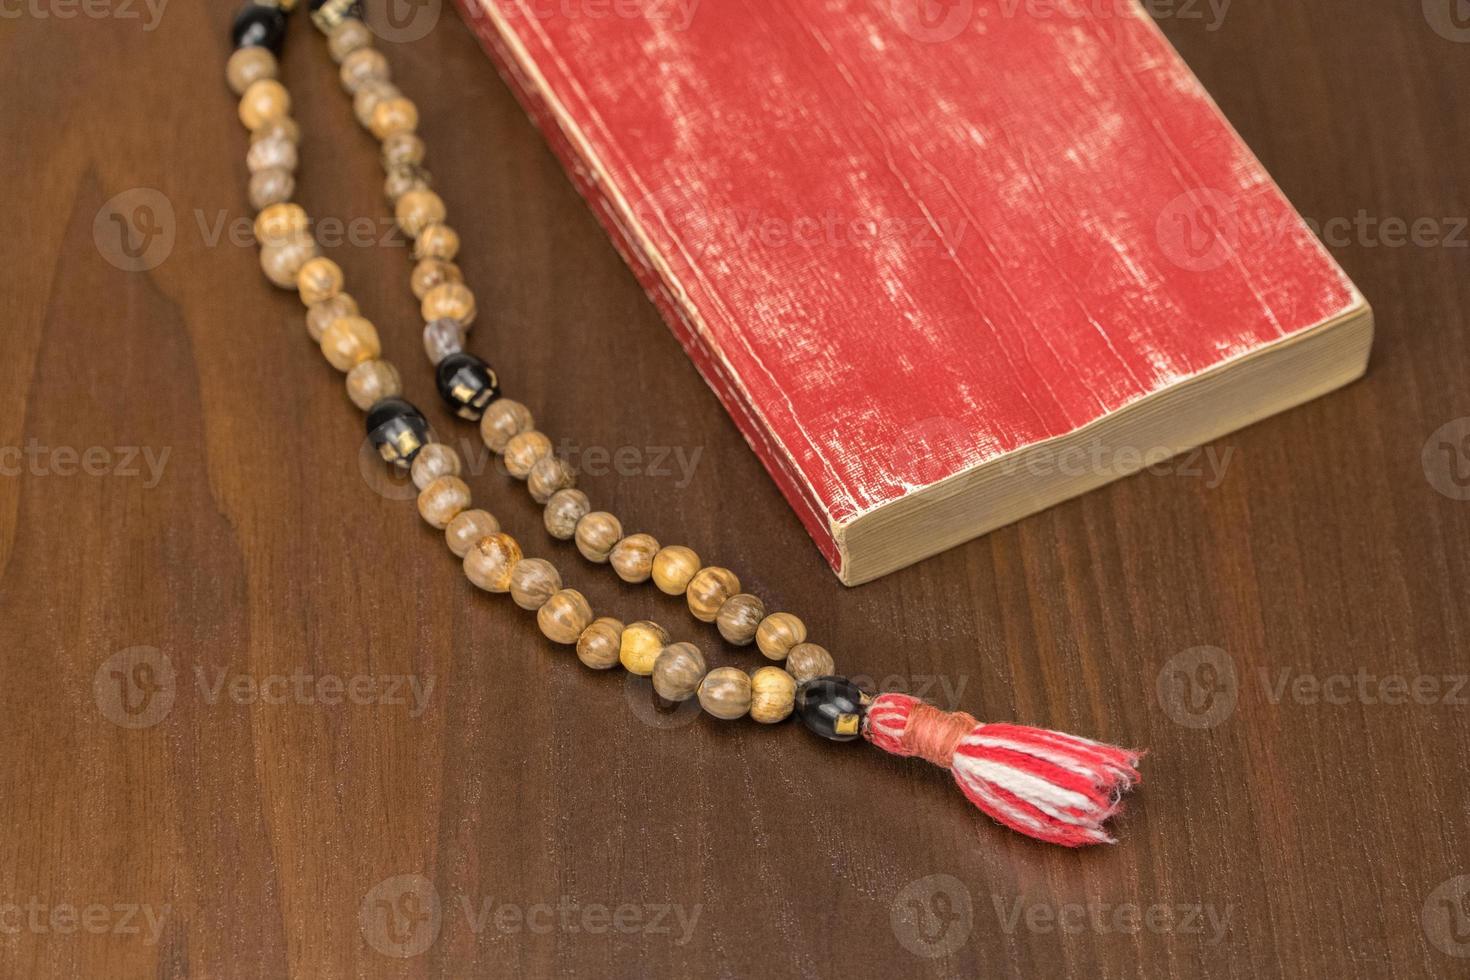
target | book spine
[{"x": 491, "y": 28}]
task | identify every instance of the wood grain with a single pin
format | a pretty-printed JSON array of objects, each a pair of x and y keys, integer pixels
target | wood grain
[{"x": 267, "y": 831}]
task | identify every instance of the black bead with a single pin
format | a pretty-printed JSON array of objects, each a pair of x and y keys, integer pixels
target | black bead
[
  {"x": 833, "y": 707},
  {"x": 327, "y": 14},
  {"x": 259, "y": 26},
  {"x": 467, "y": 385},
  {"x": 397, "y": 430}
]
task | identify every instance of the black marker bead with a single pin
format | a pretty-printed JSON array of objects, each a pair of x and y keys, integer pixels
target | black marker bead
[
  {"x": 397, "y": 430},
  {"x": 833, "y": 707},
  {"x": 327, "y": 14},
  {"x": 467, "y": 384},
  {"x": 259, "y": 26}
]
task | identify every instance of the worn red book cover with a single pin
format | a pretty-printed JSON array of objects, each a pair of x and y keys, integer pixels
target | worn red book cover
[{"x": 918, "y": 250}]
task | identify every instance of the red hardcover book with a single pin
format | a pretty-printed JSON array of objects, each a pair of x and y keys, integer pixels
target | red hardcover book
[{"x": 945, "y": 265}]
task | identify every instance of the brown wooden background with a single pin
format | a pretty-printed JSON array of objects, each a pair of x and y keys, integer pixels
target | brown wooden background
[{"x": 1286, "y": 834}]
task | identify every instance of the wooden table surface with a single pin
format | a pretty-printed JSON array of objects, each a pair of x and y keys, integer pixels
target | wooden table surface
[{"x": 256, "y": 723}]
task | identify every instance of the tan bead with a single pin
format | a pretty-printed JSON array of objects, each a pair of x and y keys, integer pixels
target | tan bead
[
  {"x": 642, "y": 643},
  {"x": 596, "y": 535},
  {"x": 371, "y": 381},
  {"x": 547, "y": 476},
  {"x": 369, "y": 97},
  {"x": 725, "y": 692},
  {"x": 433, "y": 461},
  {"x": 708, "y": 590},
  {"x": 350, "y": 340},
  {"x": 269, "y": 187},
  {"x": 264, "y": 101},
  {"x": 441, "y": 501},
  {"x": 248, "y": 66},
  {"x": 362, "y": 66},
  {"x": 416, "y": 211},
  {"x": 282, "y": 222},
  {"x": 489, "y": 560},
  {"x": 772, "y": 695},
  {"x": 677, "y": 671},
  {"x": 321, "y": 315},
  {"x": 533, "y": 581},
  {"x": 778, "y": 633},
  {"x": 319, "y": 280},
  {"x": 632, "y": 557},
  {"x": 564, "y": 616},
  {"x": 348, "y": 36},
  {"x": 450, "y": 300},
  {"x": 400, "y": 180},
  {"x": 394, "y": 116},
  {"x": 563, "y": 511},
  {"x": 739, "y": 618},
  {"x": 468, "y": 527},
  {"x": 809, "y": 660},
  {"x": 599, "y": 643},
  {"x": 524, "y": 450},
  {"x": 284, "y": 128},
  {"x": 282, "y": 261},
  {"x": 271, "y": 154},
  {"x": 401, "y": 150},
  {"x": 673, "y": 567},
  {"x": 436, "y": 242},
  {"x": 502, "y": 421},
  {"x": 430, "y": 273}
]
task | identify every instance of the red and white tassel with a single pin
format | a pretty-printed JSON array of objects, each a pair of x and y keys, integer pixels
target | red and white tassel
[{"x": 1054, "y": 787}]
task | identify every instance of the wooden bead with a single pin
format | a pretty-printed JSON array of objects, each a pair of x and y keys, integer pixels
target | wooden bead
[
  {"x": 349, "y": 35},
  {"x": 281, "y": 262},
  {"x": 809, "y": 660},
  {"x": 599, "y": 644},
  {"x": 533, "y": 581},
  {"x": 362, "y": 66},
  {"x": 451, "y": 300},
  {"x": 632, "y": 557},
  {"x": 468, "y": 527},
  {"x": 441, "y": 339},
  {"x": 319, "y": 280},
  {"x": 772, "y": 695},
  {"x": 416, "y": 211},
  {"x": 673, "y": 567},
  {"x": 404, "y": 149},
  {"x": 264, "y": 101},
  {"x": 274, "y": 186},
  {"x": 367, "y": 99},
  {"x": 547, "y": 476},
  {"x": 524, "y": 450},
  {"x": 279, "y": 223},
  {"x": 678, "y": 670},
  {"x": 596, "y": 535},
  {"x": 402, "y": 179},
  {"x": 284, "y": 128},
  {"x": 372, "y": 381},
  {"x": 349, "y": 341},
  {"x": 433, "y": 461},
  {"x": 394, "y": 116},
  {"x": 489, "y": 560},
  {"x": 642, "y": 643},
  {"x": 708, "y": 590},
  {"x": 321, "y": 315},
  {"x": 778, "y": 633},
  {"x": 564, "y": 616},
  {"x": 436, "y": 242},
  {"x": 725, "y": 692},
  {"x": 248, "y": 66},
  {"x": 505, "y": 419},
  {"x": 443, "y": 500},
  {"x": 739, "y": 618},
  {"x": 563, "y": 511},
  {"x": 268, "y": 154},
  {"x": 430, "y": 273}
]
